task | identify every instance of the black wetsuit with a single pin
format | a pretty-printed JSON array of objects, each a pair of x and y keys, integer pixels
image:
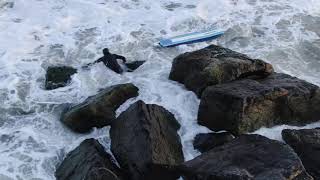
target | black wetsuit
[{"x": 110, "y": 61}]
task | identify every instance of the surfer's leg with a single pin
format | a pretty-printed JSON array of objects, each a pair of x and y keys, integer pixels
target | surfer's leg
[{"x": 113, "y": 65}]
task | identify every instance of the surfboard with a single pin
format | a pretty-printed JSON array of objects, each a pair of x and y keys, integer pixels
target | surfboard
[{"x": 191, "y": 38}]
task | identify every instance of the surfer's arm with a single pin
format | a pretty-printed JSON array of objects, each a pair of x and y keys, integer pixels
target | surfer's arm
[
  {"x": 97, "y": 61},
  {"x": 90, "y": 64},
  {"x": 120, "y": 57}
]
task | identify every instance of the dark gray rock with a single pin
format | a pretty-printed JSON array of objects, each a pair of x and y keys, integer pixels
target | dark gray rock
[
  {"x": 6, "y": 5},
  {"x": 59, "y": 76},
  {"x": 145, "y": 142},
  {"x": 247, "y": 105},
  {"x": 89, "y": 161},
  {"x": 306, "y": 143},
  {"x": 205, "y": 142},
  {"x": 215, "y": 65},
  {"x": 134, "y": 65},
  {"x": 99, "y": 110},
  {"x": 302, "y": 105},
  {"x": 247, "y": 157}
]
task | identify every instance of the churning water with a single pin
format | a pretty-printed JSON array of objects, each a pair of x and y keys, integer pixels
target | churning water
[{"x": 35, "y": 34}]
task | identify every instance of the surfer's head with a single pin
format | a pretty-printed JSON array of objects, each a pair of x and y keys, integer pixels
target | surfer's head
[{"x": 105, "y": 51}]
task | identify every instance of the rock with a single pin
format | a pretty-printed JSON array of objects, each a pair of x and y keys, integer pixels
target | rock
[
  {"x": 145, "y": 142},
  {"x": 99, "y": 110},
  {"x": 306, "y": 143},
  {"x": 6, "y": 5},
  {"x": 58, "y": 77},
  {"x": 4, "y": 177},
  {"x": 88, "y": 159},
  {"x": 302, "y": 105},
  {"x": 134, "y": 65},
  {"x": 215, "y": 65},
  {"x": 205, "y": 142},
  {"x": 247, "y": 105},
  {"x": 245, "y": 158}
]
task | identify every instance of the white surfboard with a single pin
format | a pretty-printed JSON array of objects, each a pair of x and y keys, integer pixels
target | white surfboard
[{"x": 191, "y": 38}]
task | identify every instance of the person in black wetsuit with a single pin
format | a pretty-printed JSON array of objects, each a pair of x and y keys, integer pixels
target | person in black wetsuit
[{"x": 110, "y": 61}]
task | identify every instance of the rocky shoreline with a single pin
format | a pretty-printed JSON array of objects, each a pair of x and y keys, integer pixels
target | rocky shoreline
[{"x": 238, "y": 95}]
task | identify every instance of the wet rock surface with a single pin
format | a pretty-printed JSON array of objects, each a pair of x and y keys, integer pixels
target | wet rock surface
[
  {"x": 306, "y": 143},
  {"x": 247, "y": 105},
  {"x": 99, "y": 110},
  {"x": 215, "y": 65},
  {"x": 58, "y": 76},
  {"x": 246, "y": 157},
  {"x": 205, "y": 142},
  {"x": 134, "y": 65},
  {"x": 89, "y": 161},
  {"x": 145, "y": 142}
]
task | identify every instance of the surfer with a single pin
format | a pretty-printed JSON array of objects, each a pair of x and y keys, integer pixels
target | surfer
[{"x": 110, "y": 61}]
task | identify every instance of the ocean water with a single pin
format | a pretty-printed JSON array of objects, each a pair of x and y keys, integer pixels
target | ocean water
[{"x": 35, "y": 34}]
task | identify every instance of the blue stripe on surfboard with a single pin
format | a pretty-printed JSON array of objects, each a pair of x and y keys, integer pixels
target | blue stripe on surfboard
[
  {"x": 207, "y": 36},
  {"x": 168, "y": 42},
  {"x": 189, "y": 41}
]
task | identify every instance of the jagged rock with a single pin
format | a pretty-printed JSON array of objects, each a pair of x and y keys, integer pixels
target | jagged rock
[
  {"x": 99, "y": 110},
  {"x": 215, "y": 65},
  {"x": 145, "y": 142},
  {"x": 134, "y": 65},
  {"x": 89, "y": 161},
  {"x": 247, "y": 157},
  {"x": 205, "y": 142},
  {"x": 58, "y": 76},
  {"x": 306, "y": 143},
  {"x": 6, "y": 5},
  {"x": 247, "y": 105}
]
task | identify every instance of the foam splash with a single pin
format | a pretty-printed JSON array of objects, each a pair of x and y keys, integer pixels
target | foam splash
[{"x": 36, "y": 34}]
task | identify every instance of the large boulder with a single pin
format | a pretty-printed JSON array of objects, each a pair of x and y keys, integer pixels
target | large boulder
[
  {"x": 247, "y": 157},
  {"x": 247, "y": 105},
  {"x": 58, "y": 76},
  {"x": 89, "y": 161},
  {"x": 145, "y": 142},
  {"x": 204, "y": 142},
  {"x": 306, "y": 143},
  {"x": 215, "y": 65},
  {"x": 99, "y": 110}
]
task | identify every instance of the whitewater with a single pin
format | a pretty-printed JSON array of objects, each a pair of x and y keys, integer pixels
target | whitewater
[{"x": 36, "y": 34}]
